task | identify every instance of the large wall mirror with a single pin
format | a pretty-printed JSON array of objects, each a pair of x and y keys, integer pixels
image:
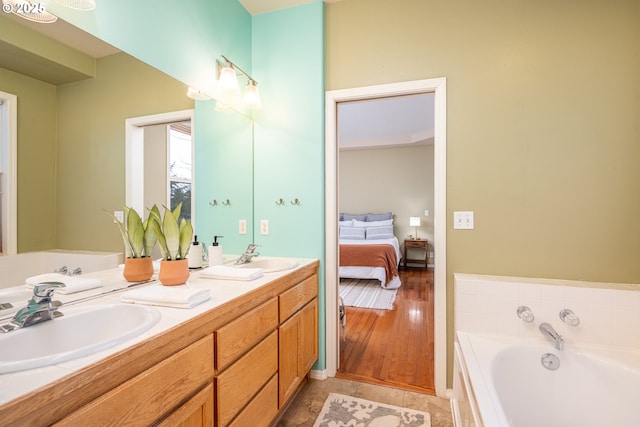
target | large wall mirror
[{"x": 72, "y": 158}]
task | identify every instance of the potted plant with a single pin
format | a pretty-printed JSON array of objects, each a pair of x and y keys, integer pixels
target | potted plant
[
  {"x": 139, "y": 239},
  {"x": 174, "y": 240}
]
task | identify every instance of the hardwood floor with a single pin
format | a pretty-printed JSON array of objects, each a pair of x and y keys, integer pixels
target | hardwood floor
[{"x": 393, "y": 347}]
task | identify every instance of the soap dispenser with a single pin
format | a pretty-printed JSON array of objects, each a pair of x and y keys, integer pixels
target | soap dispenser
[
  {"x": 215, "y": 252},
  {"x": 196, "y": 254}
]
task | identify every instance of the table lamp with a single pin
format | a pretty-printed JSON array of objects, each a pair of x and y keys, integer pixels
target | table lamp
[{"x": 414, "y": 221}]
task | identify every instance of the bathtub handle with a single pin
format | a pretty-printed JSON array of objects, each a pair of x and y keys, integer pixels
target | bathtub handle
[
  {"x": 525, "y": 313},
  {"x": 569, "y": 317}
]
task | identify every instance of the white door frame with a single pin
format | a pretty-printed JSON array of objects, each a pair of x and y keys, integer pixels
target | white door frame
[
  {"x": 9, "y": 169},
  {"x": 134, "y": 155},
  {"x": 332, "y": 98}
]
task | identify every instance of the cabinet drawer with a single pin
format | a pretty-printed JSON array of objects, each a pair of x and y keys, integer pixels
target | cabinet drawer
[
  {"x": 262, "y": 409},
  {"x": 196, "y": 412},
  {"x": 410, "y": 244},
  {"x": 237, "y": 337},
  {"x": 296, "y": 298},
  {"x": 237, "y": 385},
  {"x": 152, "y": 394}
]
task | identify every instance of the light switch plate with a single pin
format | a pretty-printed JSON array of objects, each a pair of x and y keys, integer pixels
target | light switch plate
[
  {"x": 463, "y": 220},
  {"x": 242, "y": 226},
  {"x": 119, "y": 215}
]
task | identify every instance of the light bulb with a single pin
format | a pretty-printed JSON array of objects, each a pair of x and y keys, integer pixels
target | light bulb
[{"x": 252, "y": 96}]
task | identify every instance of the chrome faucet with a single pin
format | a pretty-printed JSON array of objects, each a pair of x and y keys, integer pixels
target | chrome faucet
[
  {"x": 40, "y": 308},
  {"x": 248, "y": 255},
  {"x": 548, "y": 331}
]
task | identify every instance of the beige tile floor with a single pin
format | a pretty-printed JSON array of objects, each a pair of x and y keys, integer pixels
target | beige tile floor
[{"x": 308, "y": 403}]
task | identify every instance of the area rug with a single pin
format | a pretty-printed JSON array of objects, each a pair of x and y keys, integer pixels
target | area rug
[
  {"x": 342, "y": 411},
  {"x": 366, "y": 293}
]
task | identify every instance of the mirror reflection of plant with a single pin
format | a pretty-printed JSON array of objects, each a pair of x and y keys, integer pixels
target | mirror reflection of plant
[
  {"x": 180, "y": 192},
  {"x": 138, "y": 236},
  {"x": 174, "y": 238}
]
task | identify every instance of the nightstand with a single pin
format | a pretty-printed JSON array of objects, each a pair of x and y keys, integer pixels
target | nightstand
[{"x": 419, "y": 244}]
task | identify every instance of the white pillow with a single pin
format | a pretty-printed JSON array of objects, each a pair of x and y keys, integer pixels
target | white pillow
[
  {"x": 348, "y": 223},
  {"x": 383, "y": 232},
  {"x": 357, "y": 223},
  {"x": 352, "y": 233}
]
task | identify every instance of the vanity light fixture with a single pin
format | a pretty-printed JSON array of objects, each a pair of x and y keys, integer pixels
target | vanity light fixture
[
  {"x": 252, "y": 96},
  {"x": 30, "y": 10},
  {"x": 414, "y": 221},
  {"x": 78, "y": 4},
  {"x": 229, "y": 88}
]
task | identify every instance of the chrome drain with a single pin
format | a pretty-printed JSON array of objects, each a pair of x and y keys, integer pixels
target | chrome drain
[{"x": 550, "y": 361}]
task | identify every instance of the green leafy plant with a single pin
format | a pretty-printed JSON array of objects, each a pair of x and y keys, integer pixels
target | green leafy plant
[
  {"x": 174, "y": 239},
  {"x": 138, "y": 236}
]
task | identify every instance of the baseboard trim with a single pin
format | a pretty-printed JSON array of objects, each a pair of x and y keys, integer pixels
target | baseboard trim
[{"x": 318, "y": 375}]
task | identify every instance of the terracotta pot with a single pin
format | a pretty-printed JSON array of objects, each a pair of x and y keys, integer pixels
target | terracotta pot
[
  {"x": 174, "y": 272},
  {"x": 138, "y": 269}
]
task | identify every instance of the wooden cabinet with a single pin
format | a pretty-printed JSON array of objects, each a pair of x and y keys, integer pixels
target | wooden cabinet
[
  {"x": 196, "y": 412},
  {"x": 297, "y": 336},
  {"x": 298, "y": 341},
  {"x": 236, "y": 365},
  {"x": 236, "y": 386},
  {"x": 237, "y": 337},
  {"x": 155, "y": 393}
]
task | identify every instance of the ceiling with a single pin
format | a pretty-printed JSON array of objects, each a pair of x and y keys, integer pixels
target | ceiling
[{"x": 384, "y": 122}]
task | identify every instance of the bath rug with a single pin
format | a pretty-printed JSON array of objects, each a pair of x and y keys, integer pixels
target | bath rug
[
  {"x": 341, "y": 411},
  {"x": 366, "y": 293}
]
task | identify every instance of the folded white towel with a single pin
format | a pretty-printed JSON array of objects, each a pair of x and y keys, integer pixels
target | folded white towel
[
  {"x": 72, "y": 284},
  {"x": 12, "y": 299},
  {"x": 16, "y": 293},
  {"x": 231, "y": 273},
  {"x": 181, "y": 296}
]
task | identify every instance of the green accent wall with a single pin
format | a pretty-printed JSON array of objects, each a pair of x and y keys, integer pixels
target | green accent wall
[
  {"x": 182, "y": 39},
  {"x": 288, "y": 63},
  {"x": 543, "y": 101},
  {"x": 224, "y": 173},
  {"x": 36, "y": 159}
]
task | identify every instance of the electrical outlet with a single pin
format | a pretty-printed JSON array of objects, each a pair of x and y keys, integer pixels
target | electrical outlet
[
  {"x": 119, "y": 215},
  {"x": 264, "y": 226},
  {"x": 242, "y": 226},
  {"x": 430, "y": 255},
  {"x": 426, "y": 212},
  {"x": 463, "y": 220}
]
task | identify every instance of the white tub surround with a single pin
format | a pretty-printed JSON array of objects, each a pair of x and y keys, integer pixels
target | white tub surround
[
  {"x": 609, "y": 312},
  {"x": 14, "y": 269},
  {"x": 499, "y": 377}
]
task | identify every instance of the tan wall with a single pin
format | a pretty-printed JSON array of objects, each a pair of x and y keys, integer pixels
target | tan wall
[
  {"x": 543, "y": 139},
  {"x": 155, "y": 165},
  {"x": 36, "y": 166},
  {"x": 399, "y": 180},
  {"x": 92, "y": 115}
]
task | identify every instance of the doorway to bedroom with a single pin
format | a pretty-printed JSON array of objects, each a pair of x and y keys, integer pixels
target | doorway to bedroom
[{"x": 386, "y": 202}]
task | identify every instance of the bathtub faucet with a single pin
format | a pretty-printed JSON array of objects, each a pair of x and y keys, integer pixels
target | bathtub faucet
[{"x": 548, "y": 331}]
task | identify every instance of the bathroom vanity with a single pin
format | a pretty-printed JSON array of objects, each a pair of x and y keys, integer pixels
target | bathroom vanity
[{"x": 235, "y": 360}]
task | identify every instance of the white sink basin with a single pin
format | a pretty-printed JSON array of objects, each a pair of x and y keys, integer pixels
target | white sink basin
[
  {"x": 81, "y": 331},
  {"x": 270, "y": 265}
]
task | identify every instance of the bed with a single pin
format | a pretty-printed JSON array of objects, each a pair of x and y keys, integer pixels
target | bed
[{"x": 368, "y": 249}]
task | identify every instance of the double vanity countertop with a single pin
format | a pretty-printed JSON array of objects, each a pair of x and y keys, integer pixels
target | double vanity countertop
[{"x": 220, "y": 306}]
